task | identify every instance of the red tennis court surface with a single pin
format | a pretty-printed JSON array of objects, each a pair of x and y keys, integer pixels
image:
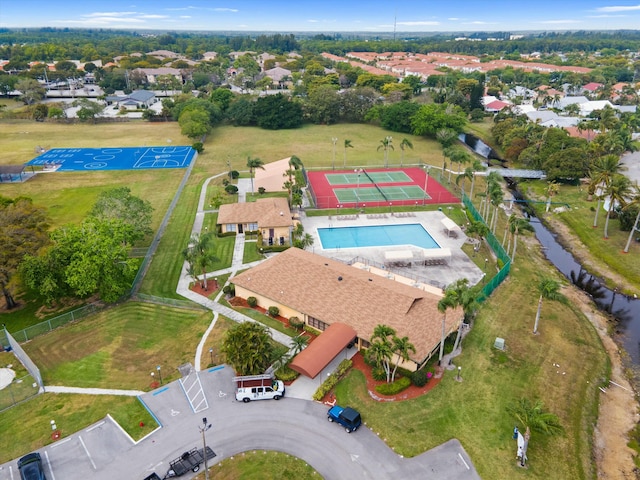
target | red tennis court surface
[{"x": 324, "y": 196}]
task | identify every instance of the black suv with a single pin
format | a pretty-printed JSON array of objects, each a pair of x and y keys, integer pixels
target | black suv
[{"x": 30, "y": 467}]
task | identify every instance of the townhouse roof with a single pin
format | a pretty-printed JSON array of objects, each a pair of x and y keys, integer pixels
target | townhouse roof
[{"x": 266, "y": 212}]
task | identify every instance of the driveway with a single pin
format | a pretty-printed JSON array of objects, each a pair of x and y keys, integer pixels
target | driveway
[{"x": 294, "y": 426}]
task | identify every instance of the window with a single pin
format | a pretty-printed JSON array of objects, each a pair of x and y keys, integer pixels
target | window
[
  {"x": 252, "y": 227},
  {"x": 364, "y": 344},
  {"x": 315, "y": 323},
  {"x": 231, "y": 227}
]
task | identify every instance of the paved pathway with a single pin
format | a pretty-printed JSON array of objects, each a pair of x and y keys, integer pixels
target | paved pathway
[{"x": 93, "y": 391}]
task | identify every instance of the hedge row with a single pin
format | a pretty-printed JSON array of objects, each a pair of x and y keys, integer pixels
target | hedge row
[
  {"x": 333, "y": 380},
  {"x": 395, "y": 387}
]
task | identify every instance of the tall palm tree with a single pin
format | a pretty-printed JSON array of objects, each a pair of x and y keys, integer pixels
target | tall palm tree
[
  {"x": 347, "y": 144},
  {"x": 199, "y": 255},
  {"x": 600, "y": 174},
  {"x": 552, "y": 189},
  {"x": 386, "y": 144},
  {"x": 295, "y": 162},
  {"x": 549, "y": 289},
  {"x": 254, "y": 163},
  {"x": 401, "y": 347},
  {"x": 405, "y": 143},
  {"x": 298, "y": 343},
  {"x": 496, "y": 196},
  {"x": 449, "y": 301},
  {"x": 462, "y": 295},
  {"x": 532, "y": 416},
  {"x": 467, "y": 174},
  {"x": 381, "y": 348},
  {"x": 517, "y": 225},
  {"x": 618, "y": 190},
  {"x": 635, "y": 202}
]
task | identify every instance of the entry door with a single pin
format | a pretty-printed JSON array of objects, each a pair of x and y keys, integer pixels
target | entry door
[{"x": 240, "y": 229}]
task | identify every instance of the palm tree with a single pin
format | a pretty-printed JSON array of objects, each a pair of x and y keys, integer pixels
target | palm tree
[
  {"x": 460, "y": 157},
  {"x": 386, "y": 143},
  {"x": 549, "y": 289},
  {"x": 401, "y": 347},
  {"x": 462, "y": 295},
  {"x": 254, "y": 163},
  {"x": 449, "y": 301},
  {"x": 381, "y": 348},
  {"x": 446, "y": 137},
  {"x": 516, "y": 225},
  {"x": 467, "y": 174},
  {"x": 635, "y": 202},
  {"x": 347, "y": 144},
  {"x": 288, "y": 186},
  {"x": 601, "y": 173},
  {"x": 534, "y": 417},
  {"x": 199, "y": 256},
  {"x": 617, "y": 191},
  {"x": 405, "y": 143},
  {"x": 478, "y": 230},
  {"x": 295, "y": 162},
  {"x": 247, "y": 347},
  {"x": 496, "y": 196},
  {"x": 552, "y": 189},
  {"x": 298, "y": 343}
]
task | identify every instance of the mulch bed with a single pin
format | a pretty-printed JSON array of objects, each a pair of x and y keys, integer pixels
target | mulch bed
[
  {"x": 407, "y": 394},
  {"x": 212, "y": 287}
]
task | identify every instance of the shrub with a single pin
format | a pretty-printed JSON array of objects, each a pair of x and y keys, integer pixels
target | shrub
[
  {"x": 419, "y": 378},
  {"x": 378, "y": 373},
  {"x": 252, "y": 301},
  {"x": 286, "y": 374},
  {"x": 231, "y": 189},
  {"x": 232, "y": 290},
  {"x": 226, "y": 289},
  {"x": 295, "y": 322},
  {"x": 393, "y": 388},
  {"x": 234, "y": 174},
  {"x": 274, "y": 311},
  {"x": 198, "y": 147},
  {"x": 225, "y": 182},
  {"x": 333, "y": 380},
  {"x": 262, "y": 190}
]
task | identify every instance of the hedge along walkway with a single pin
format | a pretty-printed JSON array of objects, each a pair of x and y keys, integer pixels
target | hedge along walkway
[{"x": 183, "y": 289}]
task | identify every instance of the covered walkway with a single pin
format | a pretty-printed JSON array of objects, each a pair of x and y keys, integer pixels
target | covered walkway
[{"x": 323, "y": 350}]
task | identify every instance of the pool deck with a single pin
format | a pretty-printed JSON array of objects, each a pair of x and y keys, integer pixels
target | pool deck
[{"x": 457, "y": 267}]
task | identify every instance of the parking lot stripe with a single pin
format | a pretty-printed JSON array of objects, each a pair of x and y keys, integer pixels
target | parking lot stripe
[
  {"x": 215, "y": 369},
  {"x": 95, "y": 426},
  {"x": 158, "y": 392},
  {"x": 465, "y": 463},
  {"x": 87, "y": 452},
  {"x": 46, "y": 454},
  {"x": 61, "y": 442}
]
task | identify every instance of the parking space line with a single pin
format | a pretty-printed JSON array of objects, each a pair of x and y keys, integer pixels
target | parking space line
[
  {"x": 158, "y": 392},
  {"x": 46, "y": 454},
  {"x": 465, "y": 463},
  {"x": 215, "y": 369},
  {"x": 87, "y": 452},
  {"x": 61, "y": 442},
  {"x": 95, "y": 426}
]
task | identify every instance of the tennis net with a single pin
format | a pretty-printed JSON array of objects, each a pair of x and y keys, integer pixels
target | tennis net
[{"x": 375, "y": 184}]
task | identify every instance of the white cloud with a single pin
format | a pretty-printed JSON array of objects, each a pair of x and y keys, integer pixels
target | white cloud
[
  {"x": 607, "y": 16},
  {"x": 558, "y": 22},
  {"x": 419, "y": 23},
  {"x": 618, "y": 8},
  {"x": 478, "y": 22},
  {"x": 453, "y": 19},
  {"x": 185, "y": 16},
  {"x": 232, "y": 10},
  {"x": 153, "y": 16},
  {"x": 312, "y": 21},
  {"x": 109, "y": 14}
]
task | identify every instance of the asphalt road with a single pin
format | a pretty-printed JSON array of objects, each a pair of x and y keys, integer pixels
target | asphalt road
[{"x": 297, "y": 427}]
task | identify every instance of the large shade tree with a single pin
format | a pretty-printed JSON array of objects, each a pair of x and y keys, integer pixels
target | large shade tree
[
  {"x": 247, "y": 347},
  {"x": 23, "y": 231},
  {"x": 133, "y": 211}
]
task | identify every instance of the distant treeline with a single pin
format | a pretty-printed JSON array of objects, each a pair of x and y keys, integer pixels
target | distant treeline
[{"x": 50, "y": 44}]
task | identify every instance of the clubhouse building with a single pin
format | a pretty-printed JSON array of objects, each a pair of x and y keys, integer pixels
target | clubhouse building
[{"x": 347, "y": 303}]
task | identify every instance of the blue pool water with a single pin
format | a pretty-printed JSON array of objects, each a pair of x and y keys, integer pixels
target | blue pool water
[{"x": 376, "y": 236}]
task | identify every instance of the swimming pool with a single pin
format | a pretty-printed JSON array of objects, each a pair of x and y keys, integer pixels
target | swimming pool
[{"x": 376, "y": 236}]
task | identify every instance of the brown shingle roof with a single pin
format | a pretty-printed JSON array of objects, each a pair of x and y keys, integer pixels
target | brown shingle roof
[
  {"x": 334, "y": 292},
  {"x": 267, "y": 212}
]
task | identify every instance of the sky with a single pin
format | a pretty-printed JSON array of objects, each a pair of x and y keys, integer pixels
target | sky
[{"x": 327, "y": 16}]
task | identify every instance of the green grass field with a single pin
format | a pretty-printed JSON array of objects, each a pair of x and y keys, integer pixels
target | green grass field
[
  {"x": 258, "y": 465},
  {"x": 120, "y": 346}
]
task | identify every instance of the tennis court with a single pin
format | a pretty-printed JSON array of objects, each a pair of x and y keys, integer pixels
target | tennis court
[
  {"x": 368, "y": 194},
  {"x": 129, "y": 158},
  {"x": 409, "y": 186},
  {"x": 366, "y": 176}
]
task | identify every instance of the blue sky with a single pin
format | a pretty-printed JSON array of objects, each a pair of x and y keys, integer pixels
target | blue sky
[{"x": 325, "y": 16}]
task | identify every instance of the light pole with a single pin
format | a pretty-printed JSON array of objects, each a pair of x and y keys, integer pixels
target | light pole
[
  {"x": 159, "y": 374},
  {"x": 333, "y": 161},
  {"x": 426, "y": 179},
  {"x": 203, "y": 429},
  {"x": 211, "y": 355},
  {"x": 458, "y": 377},
  {"x": 153, "y": 379},
  {"x": 357, "y": 171}
]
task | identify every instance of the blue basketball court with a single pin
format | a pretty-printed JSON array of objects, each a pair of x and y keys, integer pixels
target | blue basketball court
[{"x": 131, "y": 158}]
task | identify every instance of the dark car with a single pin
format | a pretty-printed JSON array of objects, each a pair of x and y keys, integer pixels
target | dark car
[
  {"x": 347, "y": 417},
  {"x": 30, "y": 467}
]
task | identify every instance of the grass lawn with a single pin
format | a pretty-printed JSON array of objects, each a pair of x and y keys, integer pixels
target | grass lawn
[
  {"x": 29, "y": 427},
  {"x": 607, "y": 253},
  {"x": 474, "y": 410},
  {"x": 260, "y": 464},
  {"x": 120, "y": 346}
]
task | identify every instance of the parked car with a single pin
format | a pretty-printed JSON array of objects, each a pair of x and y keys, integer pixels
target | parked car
[
  {"x": 346, "y": 416},
  {"x": 30, "y": 467},
  {"x": 258, "y": 387}
]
